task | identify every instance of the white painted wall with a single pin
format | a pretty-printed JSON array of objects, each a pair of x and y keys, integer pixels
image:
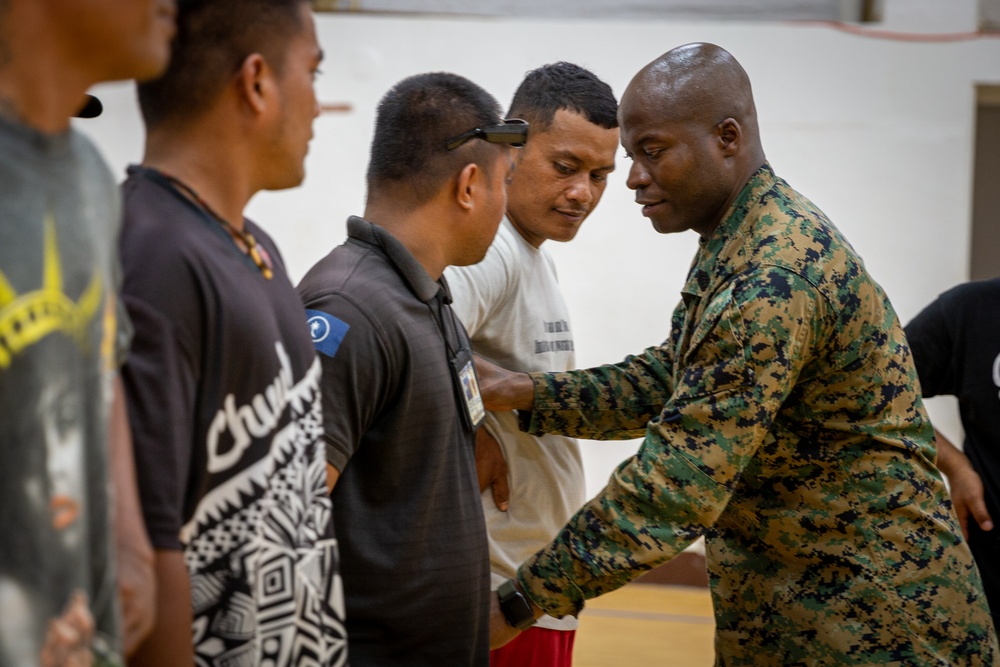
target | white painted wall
[
  {"x": 879, "y": 133},
  {"x": 634, "y": 9}
]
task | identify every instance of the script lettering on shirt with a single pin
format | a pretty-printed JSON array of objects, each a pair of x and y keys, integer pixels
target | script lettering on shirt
[{"x": 253, "y": 420}]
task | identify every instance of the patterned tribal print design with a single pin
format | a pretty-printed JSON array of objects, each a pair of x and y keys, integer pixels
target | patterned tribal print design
[{"x": 262, "y": 583}]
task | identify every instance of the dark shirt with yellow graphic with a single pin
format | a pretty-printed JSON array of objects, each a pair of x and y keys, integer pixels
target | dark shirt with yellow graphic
[
  {"x": 59, "y": 216},
  {"x": 783, "y": 421}
]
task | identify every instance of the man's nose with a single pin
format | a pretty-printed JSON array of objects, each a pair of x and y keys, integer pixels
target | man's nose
[
  {"x": 581, "y": 190},
  {"x": 638, "y": 177}
]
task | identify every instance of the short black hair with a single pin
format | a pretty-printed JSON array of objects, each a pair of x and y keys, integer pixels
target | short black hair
[
  {"x": 566, "y": 86},
  {"x": 213, "y": 39},
  {"x": 4, "y": 51},
  {"x": 415, "y": 120}
]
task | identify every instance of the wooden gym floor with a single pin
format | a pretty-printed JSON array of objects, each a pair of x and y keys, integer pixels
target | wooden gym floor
[{"x": 647, "y": 624}]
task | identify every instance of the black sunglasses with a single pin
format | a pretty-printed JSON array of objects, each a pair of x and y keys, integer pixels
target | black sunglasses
[{"x": 513, "y": 131}]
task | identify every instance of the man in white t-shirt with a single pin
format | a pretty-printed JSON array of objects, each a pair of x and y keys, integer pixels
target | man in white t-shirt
[{"x": 516, "y": 316}]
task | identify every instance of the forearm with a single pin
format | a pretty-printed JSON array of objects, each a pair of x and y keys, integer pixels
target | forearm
[
  {"x": 332, "y": 475},
  {"x": 965, "y": 486},
  {"x": 653, "y": 507},
  {"x": 517, "y": 392},
  {"x": 503, "y": 390},
  {"x": 614, "y": 401},
  {"x": 951, "y": 461},
  {"x": 170, "y": 643},
  {"x": 136, "y": 577}
]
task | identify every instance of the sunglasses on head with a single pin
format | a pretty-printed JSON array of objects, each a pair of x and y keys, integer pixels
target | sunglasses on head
[{"x": 513, "y": 131}]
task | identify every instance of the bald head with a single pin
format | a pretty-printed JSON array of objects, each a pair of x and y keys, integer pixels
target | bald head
[
  {"x": 689, "y": 124},
  {"x": 698, "y": 83}
]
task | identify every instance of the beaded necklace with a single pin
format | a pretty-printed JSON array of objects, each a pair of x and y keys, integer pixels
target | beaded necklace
[{"x": 237, "y": 235}]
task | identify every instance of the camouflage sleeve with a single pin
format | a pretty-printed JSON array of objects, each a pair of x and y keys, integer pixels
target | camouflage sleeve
[
  {"x": 741, "y": 359},
  {"x": 612, "y": 402}
]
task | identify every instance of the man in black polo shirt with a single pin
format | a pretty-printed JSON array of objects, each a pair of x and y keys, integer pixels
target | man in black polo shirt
[{"x": 401, "y": 402}]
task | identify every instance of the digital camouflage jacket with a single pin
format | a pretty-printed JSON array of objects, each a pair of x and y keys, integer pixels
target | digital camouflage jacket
[{"x": 783, "y": 421}]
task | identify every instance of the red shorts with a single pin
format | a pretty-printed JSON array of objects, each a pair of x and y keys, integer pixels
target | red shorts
[{"x": 536, "y": 647}]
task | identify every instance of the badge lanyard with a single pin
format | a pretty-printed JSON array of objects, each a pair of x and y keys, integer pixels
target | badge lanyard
[{"x": 463, "y": 371}]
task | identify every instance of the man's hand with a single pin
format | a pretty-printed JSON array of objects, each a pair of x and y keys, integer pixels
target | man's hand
[
  {"x": 500, "y": 631},
  {"x": 68, "y": 638},
  {"x": 965, "y": 485},
  {"x": 967, "y": 497},
  {"x": 491, "y": 467},
  {"x": 502, "y": 389}
]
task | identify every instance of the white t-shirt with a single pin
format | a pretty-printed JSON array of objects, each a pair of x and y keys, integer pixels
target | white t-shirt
[{"x": 516, "y": 317}]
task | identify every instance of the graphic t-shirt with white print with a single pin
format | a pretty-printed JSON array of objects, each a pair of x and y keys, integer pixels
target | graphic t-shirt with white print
[{"x": 223, "y": 388}]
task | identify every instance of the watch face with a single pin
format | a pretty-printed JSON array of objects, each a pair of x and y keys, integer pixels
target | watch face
[{"x": 514, "y": 606}]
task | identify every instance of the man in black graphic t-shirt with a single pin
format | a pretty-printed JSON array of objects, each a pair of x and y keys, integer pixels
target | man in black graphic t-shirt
[
  {"x": 956, "y": 347},
  {"x": 223, "y": 381},
  {"x": 401, "y": 402}
]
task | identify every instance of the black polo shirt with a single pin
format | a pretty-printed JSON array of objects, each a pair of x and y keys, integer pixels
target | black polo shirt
[{"x": 407, "y": 512}]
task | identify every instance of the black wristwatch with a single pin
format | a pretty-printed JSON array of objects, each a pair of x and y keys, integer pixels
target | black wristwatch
[{"x": 515, "y": 607}]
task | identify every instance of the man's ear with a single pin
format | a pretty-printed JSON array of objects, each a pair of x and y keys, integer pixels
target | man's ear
[
  {"x": 467, "y": 184},
  {"x": 254, "y": 81},
  {"x": 730, "y": 136}
]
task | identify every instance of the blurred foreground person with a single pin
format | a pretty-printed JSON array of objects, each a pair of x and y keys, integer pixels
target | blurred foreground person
[
  {"x": 223, "y": 382},
  {"x": 63, "y": 435}
]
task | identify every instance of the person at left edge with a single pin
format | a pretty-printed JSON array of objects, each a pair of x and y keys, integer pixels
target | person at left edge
[
  {"x": 399, "y": 425},
  {"x": 69, "y": 508},
  {"x": 223, "y": 382}
]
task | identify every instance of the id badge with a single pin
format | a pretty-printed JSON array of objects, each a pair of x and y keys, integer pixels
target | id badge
[{"x": 468, "y": 387}]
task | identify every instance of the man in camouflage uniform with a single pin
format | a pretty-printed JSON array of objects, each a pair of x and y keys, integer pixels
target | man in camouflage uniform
[{"x": 782, "y": 417}]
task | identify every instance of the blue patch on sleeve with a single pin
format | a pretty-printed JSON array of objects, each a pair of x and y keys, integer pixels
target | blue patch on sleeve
[{"x": 327, "y": 331}]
